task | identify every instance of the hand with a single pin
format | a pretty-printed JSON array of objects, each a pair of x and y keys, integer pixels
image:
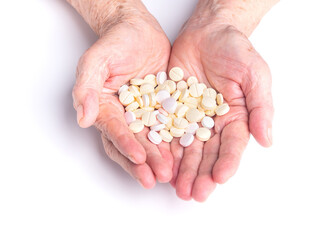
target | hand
[
  {"x": 222, "y": 57},
  {"x": 130, "y": 48}
]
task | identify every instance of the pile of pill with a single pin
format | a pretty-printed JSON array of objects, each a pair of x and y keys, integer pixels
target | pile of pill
[{"x": 171, "y": 108}]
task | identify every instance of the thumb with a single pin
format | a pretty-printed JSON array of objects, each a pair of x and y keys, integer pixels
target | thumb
[
  {"x": 91, "y": 74},
  {"x": 257, "y": 89}
]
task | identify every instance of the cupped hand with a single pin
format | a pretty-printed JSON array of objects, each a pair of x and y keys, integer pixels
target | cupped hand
[
  {"x": 129, "y": 49},
  {"x": 222, "y": 58}
]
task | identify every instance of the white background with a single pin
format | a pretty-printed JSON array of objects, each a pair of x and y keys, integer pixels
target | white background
[{"x": 57, "y": 183}]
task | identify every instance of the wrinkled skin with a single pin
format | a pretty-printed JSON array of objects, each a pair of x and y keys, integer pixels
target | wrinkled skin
[
  {"x": 223, "y": 58},
  {"x": 126, "y": 51}
]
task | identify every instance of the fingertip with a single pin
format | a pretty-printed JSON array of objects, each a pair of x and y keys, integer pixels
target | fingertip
[
  {"x": 203, "y": 187},
  {"x": 164, "y": 175},
  {"x": 87, "y": 111},
  {"x": 260, "y": 126}
]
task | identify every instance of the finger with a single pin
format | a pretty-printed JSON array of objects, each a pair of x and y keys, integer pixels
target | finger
[
  {"x": 112, "y": 124},
  {"x": 160, "y": 164},
  {"x": 257, "y": 89},
  {"x": 91, "y": 74},
  {"x": 234, "y": 139},
  {"x": 189, "y": 169},
  {"x": 177, "y": 153},
  {"x": 204, "y": 185},
  {"x": 140, "y": 172}
]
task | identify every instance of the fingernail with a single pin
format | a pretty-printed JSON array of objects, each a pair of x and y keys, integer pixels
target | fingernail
[
  {"x": 132, "y": 159},
  {"x": 79, "y": 113},
  {"x": 270, "y": 135}
]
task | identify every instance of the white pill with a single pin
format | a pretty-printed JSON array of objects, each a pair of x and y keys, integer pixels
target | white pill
[
  {"x": 176, "y": 74},
  {"x": 191, "y": 80},
  {"x": 136, "y": 126},
  {"x": 162, "y": 118},
  {"x": 176, "y": 132},
  {"x": 126, "y": 98},
  {"x": 161, "y": 77},
  {"x": 123, "y": 88},
  {"x": 162, "y": 87},
  {"x": 162, "y": 95},
  {"x": 139, "y": 112},
  {"x": 162, "y": 111},
  {"x": 207, "y": 122},
  {"x": 176, "y": 94},
  {"x": 150, "y": 78},
  {"x": 130, "y": 117},
  {"x": 196, "y": 90},
  {"x": 158, "y": 127},
  {"x": 148, "y": 109},
  {"x": 154, "y": 137},
  {"x": 171, "y": 84},
  {"x": 203, "y": 134},
  {"x": 135, "y": 91},
  {"x": 132, "y": 106},
  {"x": 137, "y": 81},
  {"x": 169, "y": 123},
  {"x": 192, "y": 128},
  {"x": 210, "y": 113},
  {"x": 184, "y": 94},
  {"x": 209, "y": 92},
  {"x": 156, "y": 112},
  {"x": 181, "y": 110},
  {"x": 182, "y": 85},
  {"x": 152, "y": 97},
  {"x": 146, "y": 88},
  {"x": 169, "y": 105},
  {"x": 191, "y": 102},
  {"x": 145, "y": 100},
  {"x": 166, "y": 136},
  {"x": 181, "y": 123},
  {"x": 139, "y": 101},
  {"x": 222, "y": 109},
  {"x": 186, "y": 140},
  {"x": 219, "y": 98},
  {"x": 148, "y": 119},
  {"x": 193, "y": 115},
  {"x": 208, "y": 103}
]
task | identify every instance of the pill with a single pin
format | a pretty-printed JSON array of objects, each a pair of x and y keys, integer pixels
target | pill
[
  {"x": 145, "y": 100},
  {"x": 146, "y": 88},
  {"x": 176, "y": 132},
  {"x": 196, "y": 90},
  {"x": 152, "y": 98},
  {"x": 130, "y": 117},
  {"x": 176, "y": 94},
  {"x": 171, "y": 84},
  {"x": 139, "y": 112},
  {"x": 158, "y": 127},
  {"x": 150, "y": 78},
  {"x": 132, "y": 106},
  {"x": 219, "y": 99},
  {"x": 162, "y": 95},
  {"x": 191, "y": 102},
  {"x": 162, "y": 87},
  {"x": 169, "y": 105},
  {"x": 136, "y": 126},
  {"x": 123, "y": 88},
  {"x": 161, "y": 77},
  {"x": 182, "y": 85},
  {"x": 148, "y": 119},
  {"x": 181, "y": 123},
  {"x": 135, "y": 91},
  {"x": 169, "y": 123},
  {"x": 193, "y": 115},
  {"x": 181, "y": 110},
  {"x": 139, "y": 101},
  {"x": 208, "y": 103},
  {"x": 155, "y": 112},
  {"x": 176, "y": 74},
  {"x": 222, "y": 109},
  {"x": 137, "y": 81},
  {"x": 126, "y": 98},
  {"x": 162, "y": 118},
  {"x": 186, "y": 140},
  {"x": 207, "y": 122},
  {"x": 192, "y": 128},
  {"x": 163, "y": 112},
  {"x": 203, "y": 134},
  {"x": 191, "y": 80},
  {"x": 166, "y": 136},
  {"x": 203, "y": 86},
  {"x": 209, "y": 92},
  {"x": 148, "y": 109},
  {"x": 154, "y": 137},
  {"x": 210, "y": 113},
  {"x": 184, "y": 94},
  {"x": 202, "y": 115}
]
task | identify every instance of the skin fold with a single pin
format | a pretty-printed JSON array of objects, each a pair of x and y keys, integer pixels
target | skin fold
[{"x": 213, "y": 45}]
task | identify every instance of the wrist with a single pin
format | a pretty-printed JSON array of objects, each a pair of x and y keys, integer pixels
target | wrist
[
  {"x": 243, "y": 15},
  {"x": 102, "y": 15}
]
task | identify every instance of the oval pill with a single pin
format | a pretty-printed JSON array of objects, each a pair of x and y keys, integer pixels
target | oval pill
[
  {"x": 208, "y": 103},
  {"x": 182, "y": 85},
  {"x": 171, "y": 84},
  {"x": 203, "y": 134},
  {"x": 222, "y": 109},
  {"x": 161, "y": 77},
  {"x": 181, "y": 123},
  {"x": 192, "y": 128},
  {"x": 130, "y": 117},
  {"x": 132, "y": 106},
  {"x": 148, "y": 119},
  {"x": 209, "y": 92},
  {"x": 219, "y": 98},
  {"x": 123, "y": 88},
  {"x": 137, "y": 81},
  {"x": 182, "y": 110},
  {"x": 176, "y": 74},
  {"x": 193, "y": 115},
  {"x": 146, "y": 88},
  {"x": 126, "y": 98},
  {"x": 162, "y": 118},
  {"x": 158, "y": 127},
  {"x": 166, "y": 136},
  {"x": 169, "y": 105},
  {"x": 145, "y": 100},
  {"x": 196, "y": 90},
  {"x": 176, "y": 132},
  {"x": 154, "y": 137},
  {"x": 186, "y": 140},
  {"x": 136, "y": 126},
  {"x": 207, "y": 122},
  {"x": 191, "y": 80},
  {"x": 135, "y": 91},
  {"x": 162, "y": 95}
]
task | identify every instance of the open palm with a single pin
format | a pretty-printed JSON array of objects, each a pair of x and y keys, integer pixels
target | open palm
[{"x": 224, "y": 59}]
